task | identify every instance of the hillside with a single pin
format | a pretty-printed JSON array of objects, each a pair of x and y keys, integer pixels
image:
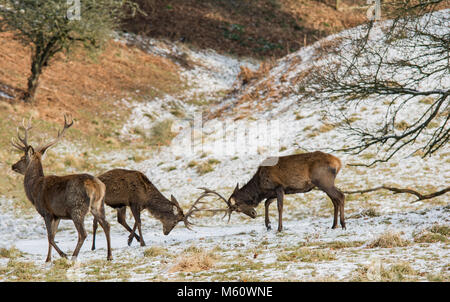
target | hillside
[
  {"x": 164, "y": 108},
  {"x": 261, "y": 29}
]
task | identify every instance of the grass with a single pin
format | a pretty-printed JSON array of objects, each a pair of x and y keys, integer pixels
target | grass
[
  {"x": 155, "y": 251},
  {"x": 430, "y": 237},
  {"x": 441, "y": 229},
  {"x": 11, "y": 253},
  {"x": 388, "y": 239},
  {"x": 437, "y": 233},
  {"x": 307, "y": 255},
  {"x": 20, "y": 271},
  {"x": 326, "y": 127},
  {"x": 206, "y": 166},
  {"x": 341, "y": 244},
  {"x": 396, "y": 272},
  {"x": 194, "y": 260},
  {"x": 370, "y": 212},
  {"x": 402, "y": 125},
  {"x": 192, "y": 164},
  {"x": 439, "y": 277},
  {"x": 161, "y": 133},
  {"x": 266, "y": 28}
]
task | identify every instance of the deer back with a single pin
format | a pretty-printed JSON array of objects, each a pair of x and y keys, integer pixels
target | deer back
[
  {"x": 61, "y": 195},
  {"x": 299, "y": 170},
  {"x": 124, "y": 187}
]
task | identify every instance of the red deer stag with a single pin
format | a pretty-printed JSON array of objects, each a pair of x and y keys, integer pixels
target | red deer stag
[
  {"x": 129, "y": 188},
  {"x": 299, "y": 173},
  {"x": 60, "y": 197}
]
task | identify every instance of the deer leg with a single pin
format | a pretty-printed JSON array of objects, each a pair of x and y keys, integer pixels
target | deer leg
[
  {"x": 94, "y": 231},
  {"x": 137, "y": 222},
  {"x": 336, "y": 196},
  {"x": 52, "y": 226},
  {"x": 335, "y": 216},
  {"x": 280, "y": 197},
  {"x": 267, "y": 218},
  {"x": 130, "y": 237},
  {"x": 338, "y": 199},
  {"x": 121, "y": 214},
  {"x": 101, "y": 217},
  {"x": 48, "y": 224},
  {"x": 79, "y": 225},
  {"x": 341, "y": 207}
]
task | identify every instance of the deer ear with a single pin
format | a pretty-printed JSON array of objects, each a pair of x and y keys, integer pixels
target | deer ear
[
  {"x": 173, "y": 199},
  {"x": 236, "y": 189},
  {"x": 30, "y": 151}
]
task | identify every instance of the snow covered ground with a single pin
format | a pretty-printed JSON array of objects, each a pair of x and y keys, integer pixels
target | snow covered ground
[{"x": 230, "y": 145}]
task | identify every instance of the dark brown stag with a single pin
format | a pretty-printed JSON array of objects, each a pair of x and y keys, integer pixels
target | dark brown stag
[
  {"x": 130, "y": 188},
  {"x": 299, "y": 173},
  {"x": 60, "y": 197}
]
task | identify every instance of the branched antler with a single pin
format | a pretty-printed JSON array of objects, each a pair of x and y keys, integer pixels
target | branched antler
[
  {"x": 231, "y": 207},
  {"x": 22, "y": 143},
  {"x": 67, "y": 125},
  {"x": 195, "y": 207}
]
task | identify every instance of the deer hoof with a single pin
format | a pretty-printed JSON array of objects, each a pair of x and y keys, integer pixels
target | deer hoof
[
  {"x": 269, "y": 227},
  {"x": 109, "y": 258}
]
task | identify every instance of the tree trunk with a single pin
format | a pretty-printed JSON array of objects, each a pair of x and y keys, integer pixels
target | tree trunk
[{"x": 33, "y": 80}]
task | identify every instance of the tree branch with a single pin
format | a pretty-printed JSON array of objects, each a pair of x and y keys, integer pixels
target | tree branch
[{"x": 401, "y": 190}]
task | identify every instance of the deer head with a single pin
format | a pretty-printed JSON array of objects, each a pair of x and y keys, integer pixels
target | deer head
[
  {"x": 170, "y": 221},
  {"x": 30, "y": 154},
  {"x": 243, "y": 203}
]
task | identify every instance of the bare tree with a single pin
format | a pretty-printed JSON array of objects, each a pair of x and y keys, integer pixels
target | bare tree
[{"x": 399, "y": 62}]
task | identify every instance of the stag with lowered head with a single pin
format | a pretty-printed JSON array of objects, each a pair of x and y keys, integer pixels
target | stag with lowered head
[
  {"x": 298, "y": 173},
  {"x": 60, "y": 197},
  {"x": 130, "y": 188}
]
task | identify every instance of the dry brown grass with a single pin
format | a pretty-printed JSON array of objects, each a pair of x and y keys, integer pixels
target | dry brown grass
[
  {"x": 437, "y": 233},
  {"x": 247, "y": 76},
  {"x": 84, "y": 85},
  {"x": 194, "y": 261},
  {"x": 264, "y": 28},
  {"x": 388, "y": 239}
]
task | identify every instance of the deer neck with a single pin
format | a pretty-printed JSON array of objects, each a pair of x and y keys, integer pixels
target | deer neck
[
  {"x": 33, "y": 178},
  {"x": 252, "y": 190},
  {"x": 160, "y": 207}
]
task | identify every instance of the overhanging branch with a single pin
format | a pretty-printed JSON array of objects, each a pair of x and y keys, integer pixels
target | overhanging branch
[{"x": 420, "y": 196}]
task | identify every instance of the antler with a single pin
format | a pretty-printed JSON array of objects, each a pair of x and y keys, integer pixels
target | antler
[
  {"x": 209, "y": 192},
  {"x": 194, "y": 208},
  {"x": 22, "y": 143},
  {"x": 60, "y": 133}
]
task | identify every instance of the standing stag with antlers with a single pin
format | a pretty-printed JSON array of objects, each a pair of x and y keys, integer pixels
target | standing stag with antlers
[{"x": 60, "y": 197}]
